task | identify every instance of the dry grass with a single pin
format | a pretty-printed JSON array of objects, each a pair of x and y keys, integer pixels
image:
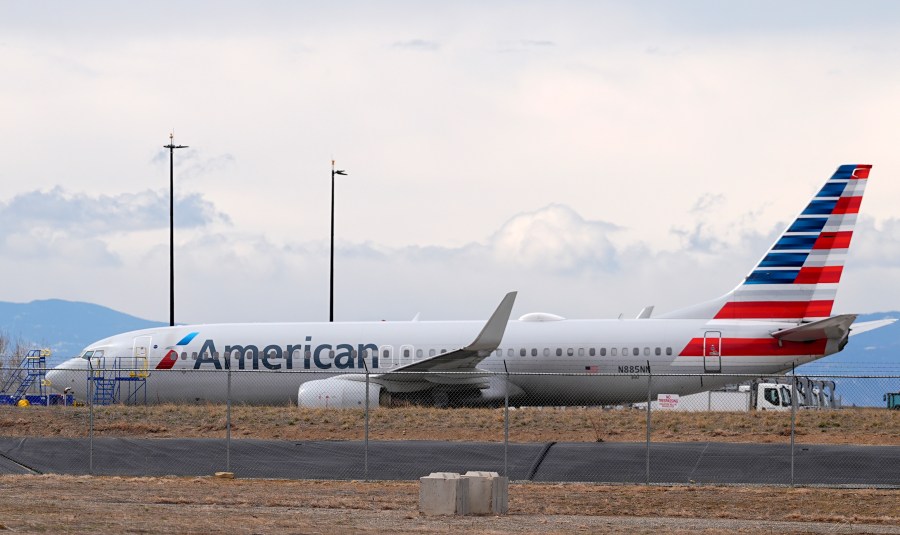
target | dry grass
[
  {"x": 67, "y": 504},
  {"x": 846, "y": 426}
]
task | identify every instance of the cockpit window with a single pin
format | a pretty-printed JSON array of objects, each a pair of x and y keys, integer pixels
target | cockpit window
[
  {"x": 87, "y": 354},
  {"x": 98, "y": 354}
]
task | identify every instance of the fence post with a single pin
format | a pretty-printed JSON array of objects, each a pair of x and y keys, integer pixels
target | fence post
[
  {"x": 228, "y": 421},
  {"x": 649, "y": 399},
  {"x": 366, "y": 442},
  {"x": 90, "y": 400},
  {"x": 793, "y": 417},
  {"x": 506, "y": 428}
]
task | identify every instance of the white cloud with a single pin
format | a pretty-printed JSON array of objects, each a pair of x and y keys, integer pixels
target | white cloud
[
  {"x": 418, "y": 44},
  {"x": 555, "y": 239},
  {"x": 559, "y": 262}
]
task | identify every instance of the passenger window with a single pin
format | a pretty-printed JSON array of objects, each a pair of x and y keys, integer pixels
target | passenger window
[
  {"x": 580, "y": 351},
  {"x": 509, "y": 352},
  {"x": 499, "y": 352},
  {"x": 635, "y": 352},
  {"x": 669, "y": 351},
  {"x": 646, "y": 351},
  {"x": 183, "y": 356},
  {"x": 431, "y": 352},
  {"x": 602, "y": 351},
  {"x": 522, "y": 352},
  {"x": 194, "y": 355},
  {"x": 353, "y": 353},
  {"x": 624, "y": 351},
  {"x": 331, "y": 353},
  {"x": 612, "y": 352},
  {"x": 546, "y": 351},
  {"x": 385, "y": 353},
  {"x": 533, "y": 351},
  {"x": 558, "y": 351},
  {"x": 405, "y": 353},
  {"x": 570, "y": 351},
  {"x": 658, "y": 352}
]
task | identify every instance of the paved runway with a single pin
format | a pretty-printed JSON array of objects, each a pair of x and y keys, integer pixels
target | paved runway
[{"x": 608, "y": 462}]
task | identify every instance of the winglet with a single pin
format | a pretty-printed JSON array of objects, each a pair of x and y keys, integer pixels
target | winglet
[{"x": 492, "y": 333}]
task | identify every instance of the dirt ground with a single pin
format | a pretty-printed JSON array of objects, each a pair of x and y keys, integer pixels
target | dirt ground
[
  {"x": 571, "y": 424},
  {"x": 69, "y": 504}
]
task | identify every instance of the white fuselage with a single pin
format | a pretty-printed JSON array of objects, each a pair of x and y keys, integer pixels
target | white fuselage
[{"x": 562, "y": 362}]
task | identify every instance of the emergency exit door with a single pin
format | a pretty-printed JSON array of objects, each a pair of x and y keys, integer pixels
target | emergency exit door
[{"x": 712, "y": 352}]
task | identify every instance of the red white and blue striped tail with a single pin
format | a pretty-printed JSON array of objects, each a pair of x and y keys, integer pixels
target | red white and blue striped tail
[{"x": 797, "y": 279}]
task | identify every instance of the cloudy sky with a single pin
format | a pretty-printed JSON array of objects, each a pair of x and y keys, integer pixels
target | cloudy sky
[{"x": 595, "y": 156}]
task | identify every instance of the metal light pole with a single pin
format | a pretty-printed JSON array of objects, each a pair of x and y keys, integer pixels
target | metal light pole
[
  {"x": 331, "y": 276},
  {"x": 172, "y": 146}
]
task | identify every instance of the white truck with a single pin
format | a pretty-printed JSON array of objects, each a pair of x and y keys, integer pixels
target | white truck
[
  {"x": 757, "y": 396},
  {"x": 770, "y": 397}
]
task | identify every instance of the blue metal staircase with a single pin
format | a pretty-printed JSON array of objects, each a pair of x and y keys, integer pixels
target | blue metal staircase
[
  {"x": 29, "y": 378},
  {"x": 125, "y": 382}
]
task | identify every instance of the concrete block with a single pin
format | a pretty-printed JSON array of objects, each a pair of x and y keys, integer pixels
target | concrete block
[
  {"x": 443, "y": 493},
  {"x": 488, "y": 493}
]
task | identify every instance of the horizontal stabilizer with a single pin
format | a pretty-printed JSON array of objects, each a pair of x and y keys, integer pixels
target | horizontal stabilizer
[
  {"x": 834, "y": 328},
  {"x": 864, "y": 326}
]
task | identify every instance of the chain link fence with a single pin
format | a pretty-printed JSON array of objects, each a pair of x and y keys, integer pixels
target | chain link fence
[{"x": 788, "y": 430}]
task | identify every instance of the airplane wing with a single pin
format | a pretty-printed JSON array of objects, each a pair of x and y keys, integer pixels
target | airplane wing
[{"x": 424, "y": 373}]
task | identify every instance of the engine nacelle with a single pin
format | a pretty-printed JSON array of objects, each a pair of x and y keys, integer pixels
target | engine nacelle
[{"x": 338, "y": 393}]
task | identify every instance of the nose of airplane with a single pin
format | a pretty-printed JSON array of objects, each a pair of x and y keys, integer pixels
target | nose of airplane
[{"x": 67, "y": 374}]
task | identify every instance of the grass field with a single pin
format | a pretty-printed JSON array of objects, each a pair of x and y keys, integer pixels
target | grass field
[{"x": 571, "y": 424}]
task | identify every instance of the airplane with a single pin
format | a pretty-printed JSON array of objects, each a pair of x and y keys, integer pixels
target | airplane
[{"x": 778, "y": 317}]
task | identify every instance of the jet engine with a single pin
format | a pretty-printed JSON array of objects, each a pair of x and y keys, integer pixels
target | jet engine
[{"x": 340, "y": 393}]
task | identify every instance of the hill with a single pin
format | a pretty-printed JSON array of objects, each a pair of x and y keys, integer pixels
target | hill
[{"x": 66, "y": 327}]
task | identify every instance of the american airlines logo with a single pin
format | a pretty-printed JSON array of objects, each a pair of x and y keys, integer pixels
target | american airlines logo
[{"x": 304, "y": 356}]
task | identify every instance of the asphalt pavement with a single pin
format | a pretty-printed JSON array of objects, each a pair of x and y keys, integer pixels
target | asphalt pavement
[{"x": 606, "y": 462}]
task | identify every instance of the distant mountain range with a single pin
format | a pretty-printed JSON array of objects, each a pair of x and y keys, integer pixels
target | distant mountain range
[{"x": 66, "y": 327}]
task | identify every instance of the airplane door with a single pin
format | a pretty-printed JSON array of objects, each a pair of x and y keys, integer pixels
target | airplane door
[
  {"x": 140, "y": 357},
  {"x": 712, "y": 352}
]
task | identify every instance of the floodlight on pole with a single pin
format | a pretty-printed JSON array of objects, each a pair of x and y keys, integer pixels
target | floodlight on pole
[
  {"x": 172, "y": 146},
  {"x": 331, "y": 275}
]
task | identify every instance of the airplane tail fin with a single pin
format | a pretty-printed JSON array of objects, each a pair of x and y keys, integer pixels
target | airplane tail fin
[{"x": 797, "y": 279}]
